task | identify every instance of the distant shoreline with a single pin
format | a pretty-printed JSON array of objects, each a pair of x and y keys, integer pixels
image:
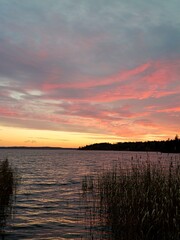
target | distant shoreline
[{"x": 38, "y": 148}]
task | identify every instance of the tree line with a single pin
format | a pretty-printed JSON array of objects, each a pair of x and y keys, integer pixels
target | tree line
[{"x": 168, "y": 146}]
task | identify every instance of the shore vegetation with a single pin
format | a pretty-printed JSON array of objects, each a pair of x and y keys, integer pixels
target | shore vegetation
[
  {"x": 140, "y": 203},
  {"x": 8, "y": 183}
]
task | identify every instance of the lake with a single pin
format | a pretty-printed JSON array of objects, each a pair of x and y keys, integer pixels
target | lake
[{"x": 48, "y": 202}]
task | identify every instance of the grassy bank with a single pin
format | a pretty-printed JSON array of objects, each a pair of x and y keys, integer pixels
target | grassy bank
[
  {"x": 140, "y": 203},
  {"x": 7, "y": 190}
]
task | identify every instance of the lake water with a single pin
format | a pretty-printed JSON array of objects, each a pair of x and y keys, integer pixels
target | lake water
[{"x": 48, "y": 203}]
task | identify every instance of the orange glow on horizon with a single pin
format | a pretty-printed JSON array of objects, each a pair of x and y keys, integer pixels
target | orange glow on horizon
[{"x": 39, "y": 138}]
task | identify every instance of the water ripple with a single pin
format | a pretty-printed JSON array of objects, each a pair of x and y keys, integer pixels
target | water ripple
[{"x": 48, "y": 204}]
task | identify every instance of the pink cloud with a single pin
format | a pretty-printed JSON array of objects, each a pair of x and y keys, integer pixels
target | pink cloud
[
  {"x": 93, "y": 108},
  {"x": 170, "y": 110},
  {"x": 153, "y": 79},
  {"x": 4, "y": 111},
  {"x": 122, "y": 76},
  {"x": 146, "y": 123},
  {"x": 159, "y": 80}
]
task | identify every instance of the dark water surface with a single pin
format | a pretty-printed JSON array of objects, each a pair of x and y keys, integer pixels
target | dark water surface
[{"x": 48, "y": 203}]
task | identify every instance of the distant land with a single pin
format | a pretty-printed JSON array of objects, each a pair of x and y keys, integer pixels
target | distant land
[
  {"x": 39, "y": 148},
  {"x": 168, "y": 146}
]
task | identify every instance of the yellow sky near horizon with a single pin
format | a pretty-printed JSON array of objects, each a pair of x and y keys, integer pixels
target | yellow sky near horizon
[{"x": 11, "y": 136}]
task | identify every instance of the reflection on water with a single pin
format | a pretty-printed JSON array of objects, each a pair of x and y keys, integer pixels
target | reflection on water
[{"x": 48, "y": 202}]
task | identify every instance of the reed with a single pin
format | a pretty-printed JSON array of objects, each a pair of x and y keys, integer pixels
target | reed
[
  {"x": 140, "y": 203},
  {"x": 7, "y": 190}
]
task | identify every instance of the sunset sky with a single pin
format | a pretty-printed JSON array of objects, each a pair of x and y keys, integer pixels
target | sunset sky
[{"x": 76, "y": 72}]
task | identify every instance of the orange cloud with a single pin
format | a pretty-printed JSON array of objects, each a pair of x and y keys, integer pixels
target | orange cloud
[{"x": 171, "y": 109}]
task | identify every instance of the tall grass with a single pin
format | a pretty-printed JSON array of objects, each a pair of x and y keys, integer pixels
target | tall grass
[
  {"x": 140, "y": 203},
  {"x": 7, "y": 190}
]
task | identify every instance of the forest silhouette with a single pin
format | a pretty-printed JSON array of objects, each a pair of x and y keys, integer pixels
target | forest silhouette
[{"x": 166, "y": 146}]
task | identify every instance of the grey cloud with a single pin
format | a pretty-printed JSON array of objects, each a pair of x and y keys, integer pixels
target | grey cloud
[
  {"x": 47, "y": 125},
  {"x": 162, "y": 42},
  {"x": 61, "y": 28},
  {"x": 96, "y": 111},
  {"x": 30, "y": 141}
]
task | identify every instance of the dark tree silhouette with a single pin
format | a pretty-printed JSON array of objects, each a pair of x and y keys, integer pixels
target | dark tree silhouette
[{"x": 169, "y": 146}]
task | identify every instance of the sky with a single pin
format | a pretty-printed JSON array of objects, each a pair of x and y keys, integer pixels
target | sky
[{"x": 76, "y": 72}]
